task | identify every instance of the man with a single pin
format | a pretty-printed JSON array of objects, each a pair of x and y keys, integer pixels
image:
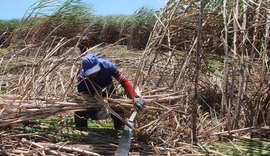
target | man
[
  {"x": 95, "y": 75},
  {"x": 84, "y": 44}
]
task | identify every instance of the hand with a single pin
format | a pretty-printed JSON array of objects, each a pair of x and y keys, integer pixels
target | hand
[{"x": 139, "y": 103}]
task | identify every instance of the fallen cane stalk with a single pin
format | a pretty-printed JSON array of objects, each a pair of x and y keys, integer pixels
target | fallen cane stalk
[{"x": 72, "y": 149}]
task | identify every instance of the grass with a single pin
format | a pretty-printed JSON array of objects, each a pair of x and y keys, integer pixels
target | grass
[
  {"x": 62, "y": 128},
  {"x": 3, "y": 52},
  {"x": 122, "y": 51},
  {"x": 14, "y": 66},
  {"x": 242, "y": 147}
]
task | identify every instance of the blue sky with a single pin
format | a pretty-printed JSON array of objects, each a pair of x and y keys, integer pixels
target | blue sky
[{"x": 10, "y": 9}]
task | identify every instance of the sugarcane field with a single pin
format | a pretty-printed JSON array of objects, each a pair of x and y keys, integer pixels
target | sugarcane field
[{"x": 189, "y": 79}]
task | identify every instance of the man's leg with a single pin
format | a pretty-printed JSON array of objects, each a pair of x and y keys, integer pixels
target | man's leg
[
  {"x": 118, "y": 124},
  {"x": 80, "y": 118}
]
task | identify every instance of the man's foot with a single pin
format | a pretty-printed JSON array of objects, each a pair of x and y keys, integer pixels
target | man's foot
[{"x": 81, "y": 128}]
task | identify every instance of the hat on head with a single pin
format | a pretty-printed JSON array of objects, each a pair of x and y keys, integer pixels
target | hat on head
[{"x": 90, "y": 64}]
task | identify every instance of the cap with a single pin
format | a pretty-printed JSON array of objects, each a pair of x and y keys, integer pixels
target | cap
[{"x": 90, "y": 64}]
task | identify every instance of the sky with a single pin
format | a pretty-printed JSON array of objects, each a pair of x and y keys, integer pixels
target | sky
[{"x": 15, "y": 9}]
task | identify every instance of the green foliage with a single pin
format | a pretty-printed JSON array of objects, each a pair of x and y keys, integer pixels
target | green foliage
[
  {"x": 73, "y": 17},
  {"x": 9, "y": 25},
  {"x": 73, "y": 10},
  {"x": 261, "y": 48},
  {"x": 142, "y": 23},
  {"x": 56, "y": 128},
  {"x": 61, "y": 9},
  {"x": 111, "y": 28},
  {"x": 3, "y": 52},
  {"x": 242, "y": 147}
]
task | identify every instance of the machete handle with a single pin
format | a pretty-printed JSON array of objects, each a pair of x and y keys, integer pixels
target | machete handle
[
  {"x": 133, "y": 115},
  {"x": 131, "y": 119}
]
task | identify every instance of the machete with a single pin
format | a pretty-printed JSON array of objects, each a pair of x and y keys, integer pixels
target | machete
[{"x": 125, "y": 140}]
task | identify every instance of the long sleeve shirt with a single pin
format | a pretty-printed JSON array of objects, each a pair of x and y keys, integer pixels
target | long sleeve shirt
[{"x": 103, "y": 79}]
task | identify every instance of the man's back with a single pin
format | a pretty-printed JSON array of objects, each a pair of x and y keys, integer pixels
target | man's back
[{"x": 102, "y": 79}]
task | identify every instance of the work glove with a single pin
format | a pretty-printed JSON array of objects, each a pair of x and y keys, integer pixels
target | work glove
[{"x": 139, "y": 103}]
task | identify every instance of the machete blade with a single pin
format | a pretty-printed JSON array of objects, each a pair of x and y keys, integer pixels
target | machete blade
[{"x": 125, "y": 142}]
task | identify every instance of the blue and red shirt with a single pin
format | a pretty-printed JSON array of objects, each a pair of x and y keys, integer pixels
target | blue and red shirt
[{"x": 103, "y": 79}]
